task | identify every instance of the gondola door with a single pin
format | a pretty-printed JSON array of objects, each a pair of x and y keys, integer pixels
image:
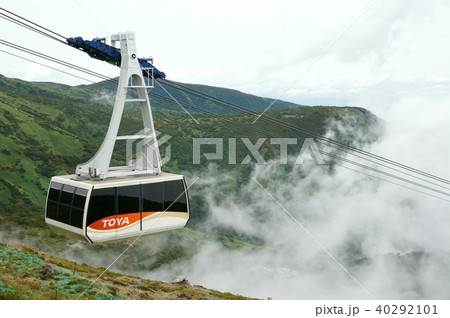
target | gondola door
[
  {"x": 152, "y": 206},
  {"x": 101, "y": 223},
  {"x": 128, "y": 219}
]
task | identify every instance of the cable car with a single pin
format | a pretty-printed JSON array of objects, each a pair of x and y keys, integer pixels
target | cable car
[
  {"x": 118, "y": 207},
  {"x": 102, "y": 203}
]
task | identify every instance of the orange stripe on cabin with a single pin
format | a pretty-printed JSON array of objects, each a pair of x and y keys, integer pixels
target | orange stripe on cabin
[{"x": 118, "y": 221}]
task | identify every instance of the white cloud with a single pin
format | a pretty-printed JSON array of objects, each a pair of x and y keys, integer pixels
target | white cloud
[{"x": 398, "y": 237}]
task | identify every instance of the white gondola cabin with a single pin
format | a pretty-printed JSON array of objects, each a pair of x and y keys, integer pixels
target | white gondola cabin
[{"x": 119, "y": 207}]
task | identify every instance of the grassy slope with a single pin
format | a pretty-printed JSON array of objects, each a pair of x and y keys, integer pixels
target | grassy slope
[{"x": 27, "y": 274}]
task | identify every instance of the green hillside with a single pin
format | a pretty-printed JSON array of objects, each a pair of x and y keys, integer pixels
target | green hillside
[{"x": 46, "y": 129}]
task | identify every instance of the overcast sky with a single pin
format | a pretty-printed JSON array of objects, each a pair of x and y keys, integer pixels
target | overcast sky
[{"x": 335, "y": 52}]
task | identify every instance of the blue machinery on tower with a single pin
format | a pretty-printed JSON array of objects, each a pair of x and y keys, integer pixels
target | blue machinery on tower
[{"x": 98, "y": 49}]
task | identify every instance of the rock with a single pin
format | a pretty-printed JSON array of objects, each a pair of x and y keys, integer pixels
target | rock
[
  {"x": 145, "y": 295},
  {"x": 183, "y": 296},
  {"x": 46, "y": 271},
  {"x": 180, "y": 280},
  {"x": 22, "y": 275}
]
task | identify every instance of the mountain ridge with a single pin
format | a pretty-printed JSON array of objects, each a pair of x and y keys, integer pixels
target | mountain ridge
[{"x": 102, "y": 94}]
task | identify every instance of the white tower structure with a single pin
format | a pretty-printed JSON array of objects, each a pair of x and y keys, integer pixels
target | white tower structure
[{"x": 148, "y": 158}]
